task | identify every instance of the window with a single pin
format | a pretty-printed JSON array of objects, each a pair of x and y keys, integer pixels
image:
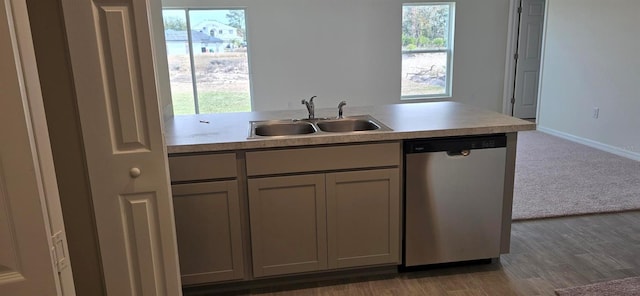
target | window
[
  {"x": 208, "y": 73},
  {"x": 427, "y": 50}
]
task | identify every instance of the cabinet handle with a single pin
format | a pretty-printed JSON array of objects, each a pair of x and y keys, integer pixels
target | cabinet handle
[{"x": 135, "y": 172}]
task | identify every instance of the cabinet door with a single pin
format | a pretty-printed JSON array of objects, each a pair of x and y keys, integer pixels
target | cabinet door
[
  {"x": 288, "y": 224},
  {"x": 363, "y": 218},
  {"x": 208, "y": 231}
]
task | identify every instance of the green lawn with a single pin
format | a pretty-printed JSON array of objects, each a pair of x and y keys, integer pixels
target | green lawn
[
  {"x": 211, "y": 102},
  {"x": 410, "y": 88}
]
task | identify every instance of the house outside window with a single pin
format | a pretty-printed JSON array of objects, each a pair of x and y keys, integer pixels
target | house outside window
[
  {"x": 427, "y": 50},
  {"x": 208, "y": 71}
]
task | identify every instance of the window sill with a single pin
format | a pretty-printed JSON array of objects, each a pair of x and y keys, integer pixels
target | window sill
[{"x": 417, "y": 98}]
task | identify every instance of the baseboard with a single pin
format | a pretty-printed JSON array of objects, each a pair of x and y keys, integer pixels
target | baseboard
[
  {"x": 287, "y": 282},
  {"x": 591, "y": 143}
]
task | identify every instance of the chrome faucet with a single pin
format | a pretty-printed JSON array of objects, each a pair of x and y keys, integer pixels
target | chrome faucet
[
  {"x": 342, "y": 104},
  {"x": 310, "y": 107}
]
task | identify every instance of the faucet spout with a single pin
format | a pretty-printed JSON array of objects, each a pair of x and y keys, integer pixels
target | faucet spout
[
  {"x": 310, "y": 107},
  {"x": 340, "y": 106}
]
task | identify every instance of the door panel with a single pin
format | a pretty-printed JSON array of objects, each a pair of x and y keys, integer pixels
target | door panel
[
  {"x": 112, "y": 58},
  {"x": 125, "y": 103},
  {"x": 29, "y": 202},
  {"x": 528, "y": 65},
  {"x": 363, "y": 214},
  {"x": 140, "y": 225},
  {"x": 532, "y": 40},
  {"x": 288, "y": 224},
  {"x": 208, "y": 229},
  {"x": 529, "y": 89}
]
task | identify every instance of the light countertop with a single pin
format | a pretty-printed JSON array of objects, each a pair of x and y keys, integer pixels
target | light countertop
[{"x": 229, "y": 131}]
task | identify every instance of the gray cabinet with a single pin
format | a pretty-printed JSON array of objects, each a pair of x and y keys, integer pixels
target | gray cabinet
[
  {"x": 206, "y": 207},
  {"x": 309, "y": 209},
  {"x": 320, "y": 215},
  {"x": 288, "y": 224},
  {"x": 207, "y": 219},
  {"x": 363, "y": 218}
]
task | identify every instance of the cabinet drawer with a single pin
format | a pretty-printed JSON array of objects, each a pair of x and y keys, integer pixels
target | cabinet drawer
[
  {"x": 322, "y": 158},
  {"x": 202, "y": 167}
]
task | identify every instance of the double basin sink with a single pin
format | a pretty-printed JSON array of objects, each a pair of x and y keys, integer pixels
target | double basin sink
[{"x": 293, "y": 127}]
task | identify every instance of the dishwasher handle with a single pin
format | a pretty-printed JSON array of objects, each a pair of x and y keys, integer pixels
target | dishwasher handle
[{"x": 459, "y": 153}]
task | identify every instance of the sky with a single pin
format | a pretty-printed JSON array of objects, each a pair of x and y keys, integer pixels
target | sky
[{"x": 198, "y": 15}]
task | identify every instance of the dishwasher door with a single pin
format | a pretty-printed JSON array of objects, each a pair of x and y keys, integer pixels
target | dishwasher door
[{"x": 453, "y": 200}]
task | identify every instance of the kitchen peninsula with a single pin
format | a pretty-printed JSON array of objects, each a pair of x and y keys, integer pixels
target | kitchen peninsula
[
  {"x": 229, "y": 131},
  {"x": 250, "y": 210}
]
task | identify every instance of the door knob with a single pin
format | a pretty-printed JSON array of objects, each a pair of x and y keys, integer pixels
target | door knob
[{"x": 135, "y": 172}]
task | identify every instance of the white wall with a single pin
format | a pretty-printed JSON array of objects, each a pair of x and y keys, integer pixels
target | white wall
[
  {"x": 591, "y": 59},
  {"x": 350, "y": 50}
]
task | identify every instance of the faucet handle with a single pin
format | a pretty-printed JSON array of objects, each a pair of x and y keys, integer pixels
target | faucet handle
[
  {"x": 310, "y": 101},
  {"x": 340, "y": 105},
  {"x": 310, "y": 107}
]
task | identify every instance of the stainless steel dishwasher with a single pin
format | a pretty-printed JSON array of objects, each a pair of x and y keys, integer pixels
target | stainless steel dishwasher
[{"x": 453, "y": 208}]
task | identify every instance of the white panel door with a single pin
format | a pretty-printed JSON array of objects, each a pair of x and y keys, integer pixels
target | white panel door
[
  {"x": 112, "y": 57},
  {"x": 30, "y": 211},
  {"x": 528, "y": 65}
]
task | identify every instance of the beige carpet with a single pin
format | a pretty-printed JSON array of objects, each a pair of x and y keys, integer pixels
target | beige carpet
[
  {"x": 623, "y": 287},
  {"x": 556, "y": 177}
]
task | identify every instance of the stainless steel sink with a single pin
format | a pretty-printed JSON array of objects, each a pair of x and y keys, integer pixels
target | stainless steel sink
[
  {"x": 297, "y": 127},
  {"x": 347, "y": 125},
  {"x": 280, "y": 128}
]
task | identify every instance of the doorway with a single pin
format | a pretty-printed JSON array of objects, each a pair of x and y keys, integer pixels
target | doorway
[{"x": 526, "y": 50}]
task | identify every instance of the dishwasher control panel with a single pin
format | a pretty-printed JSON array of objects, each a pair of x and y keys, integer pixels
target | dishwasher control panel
[{"x": 455, "y": 144}]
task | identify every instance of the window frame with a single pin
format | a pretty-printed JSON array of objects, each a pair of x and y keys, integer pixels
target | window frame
[
  {"x": 194, "y": 83},
  {"x": 448, "y": 50}
]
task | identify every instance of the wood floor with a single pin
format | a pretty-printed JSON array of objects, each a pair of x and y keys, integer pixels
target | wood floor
[{"x": 545, "y": 255}]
